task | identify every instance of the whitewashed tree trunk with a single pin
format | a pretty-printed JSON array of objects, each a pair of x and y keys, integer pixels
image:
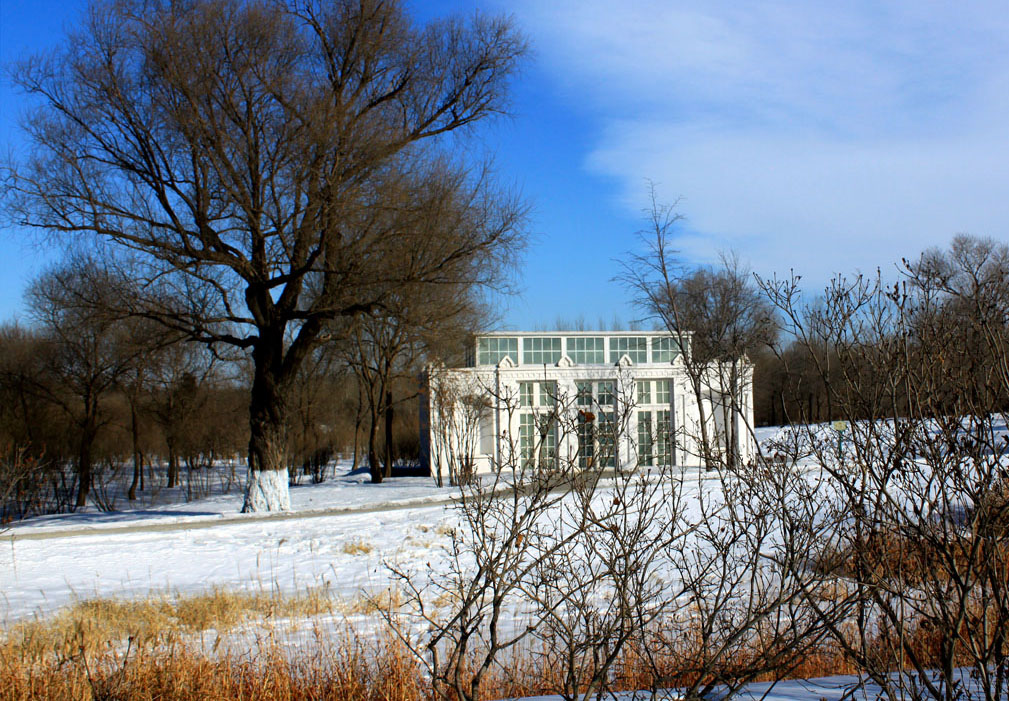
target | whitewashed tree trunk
[{"x": 267, "y": 490}]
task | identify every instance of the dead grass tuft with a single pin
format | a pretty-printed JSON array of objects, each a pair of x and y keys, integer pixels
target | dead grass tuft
[
  {"x": 357, "y": 547},
  {"x": 364, "y": 604}
]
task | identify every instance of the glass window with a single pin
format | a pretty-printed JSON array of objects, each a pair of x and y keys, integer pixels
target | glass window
[
  {"x": 664, "y": 350},
  {"x": 634, "y": 347},
  {"x": 586, "y": 439},
  {"x": 586, "y": 350},
  {"x": 527, "y": 437},
  {"x": 537, "y": 439},
  {"x": 663, "y": 392},
  {"x": 645, "y": 438},
  {"x": 664, "y": 438},
  {"x": 546, "y": 424},
  {"x": 541, "y": 350},
  {"x": 607, "y": 433},
  {"x": 526, "y": 396},
  {"x": 548, "y": 393},
  {"x": 584, "y": 396},
  {"x": 605, "y": 393},
  {"x": 491, "y": 350},
  {"x": 644, "y": 391}
]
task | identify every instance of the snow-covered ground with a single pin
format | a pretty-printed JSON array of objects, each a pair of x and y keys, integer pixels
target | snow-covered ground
[
  {"x": 340, "y": 535},
  {"x": 337, "y": 536},
  {"x": 839, "y": 688},
  {"x": 346, "y": 490}
]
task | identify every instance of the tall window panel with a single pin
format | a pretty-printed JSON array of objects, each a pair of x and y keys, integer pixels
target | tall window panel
[
  {"x": 538, "y": 440},
  {"x": 663, "y": 392},
  {"x": 645, "y": 456},
  {"x": 634, "y": 347},
  {"x": 541, "y": 350},
  {"x": 547, "y": 394},
  {"x": 546, "y": 425},
  {"x": 527, "y": 394},
  {"x": 607, "y": 440},
  {"x": 492, "y": 350},
  {"x": 527, "y": 437},
  {"x": 586, "y": 440},
  {"x": 606, "y": 393},
  {"x": 587, "y": 350},
  {"x": 644, "y": 391},
  {"x": 664, "y": 451}
]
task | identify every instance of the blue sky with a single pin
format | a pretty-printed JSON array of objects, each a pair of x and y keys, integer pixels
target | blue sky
[{"x": 819, "y": 137}]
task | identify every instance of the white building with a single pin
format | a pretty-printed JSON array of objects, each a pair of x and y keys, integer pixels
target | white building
[{"x": 591, "y": 399}]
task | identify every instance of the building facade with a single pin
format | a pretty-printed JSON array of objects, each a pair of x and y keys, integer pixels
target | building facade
[{"x": 603, "y": 400}]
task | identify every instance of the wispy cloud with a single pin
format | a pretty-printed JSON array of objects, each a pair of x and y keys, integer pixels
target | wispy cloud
[{"x": 823, "y": 136}]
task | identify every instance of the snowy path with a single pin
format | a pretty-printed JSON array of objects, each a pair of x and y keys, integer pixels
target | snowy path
[{"x": 198, "y": 522}]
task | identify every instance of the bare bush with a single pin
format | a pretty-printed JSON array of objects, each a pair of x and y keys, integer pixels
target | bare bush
[
  {"x": 598, "y": 563},
  {"x": 917, "y": 544}
]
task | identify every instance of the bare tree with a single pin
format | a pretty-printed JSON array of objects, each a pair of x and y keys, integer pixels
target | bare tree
[
  {"x": 89, "y": 350},
  {"x": 176, "y": 385},
  {"x": 610, "y": 567},
  {"x": 494, "y": 551},
  {"x": 422, "y": 324},
  {"x": 34, "y": 430},
  {"x": 316, "y": 405},
  {"x": 266, "y": 162},
  {"x": 716, "y": 315}
]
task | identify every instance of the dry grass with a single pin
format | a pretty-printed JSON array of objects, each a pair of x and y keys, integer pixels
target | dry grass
[
  {"x": 89, "y": 626},
  {"x": 364, "y": 604},
  {"x": 345, "y": 669},
  {"x": 357, "y": 547},
  {"x": 332, "y": 666},
  {"x": 112, "y": 649}
]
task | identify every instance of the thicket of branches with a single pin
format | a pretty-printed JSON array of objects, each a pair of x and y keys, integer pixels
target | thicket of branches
[
  {"x": 102, "y": 408},
  {"x": 885, "y": 551}
]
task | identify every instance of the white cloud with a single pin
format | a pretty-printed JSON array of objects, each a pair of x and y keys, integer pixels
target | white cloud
[{"x": 824, "y": 137}]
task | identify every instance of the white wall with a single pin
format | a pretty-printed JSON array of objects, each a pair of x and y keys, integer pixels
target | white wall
[{"x": 455, "y": 419}]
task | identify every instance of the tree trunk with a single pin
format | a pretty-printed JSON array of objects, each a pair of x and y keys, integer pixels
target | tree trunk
[
  {"x": 267, "y": 488},
  {"x": 138, "y": 466},
  {"x": 357, "y": 428},
  {"x": 374, "y": 466},
  {"x": 84, "y": 466},
  {"x": 388, "y": 434},
  {"x": 734, "y": 417},
  {"x": 173, "y": 464}
]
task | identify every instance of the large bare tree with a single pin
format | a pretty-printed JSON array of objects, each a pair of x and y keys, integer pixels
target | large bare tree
[
  {"x": 717, "y": 316},
  {"x": 276, "y": 165}
]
